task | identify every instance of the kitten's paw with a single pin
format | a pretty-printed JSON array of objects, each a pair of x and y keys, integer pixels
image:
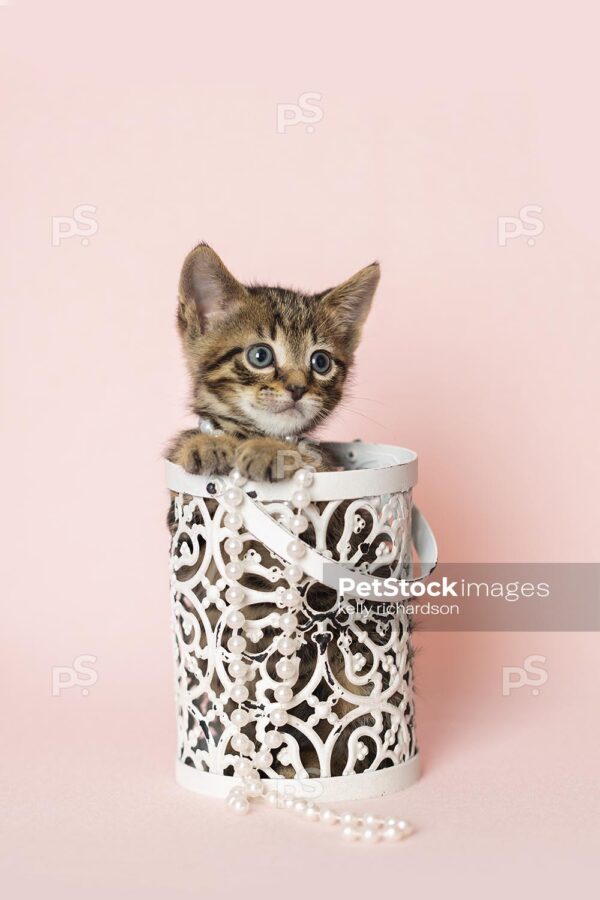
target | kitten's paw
[
  {"x": 207, "y": 454},
  {"x": 263, "y": 459}
]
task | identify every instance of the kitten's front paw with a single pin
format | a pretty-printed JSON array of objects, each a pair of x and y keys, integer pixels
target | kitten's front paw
[
  {"x": 263, "y": 459},
  {"x": 207, "y": 454}
]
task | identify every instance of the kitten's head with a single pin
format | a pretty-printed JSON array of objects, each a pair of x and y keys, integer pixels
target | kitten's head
[{"x": 267, "y": 360}]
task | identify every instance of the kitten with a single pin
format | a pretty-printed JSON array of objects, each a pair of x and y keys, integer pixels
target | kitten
[
  {"x": 268, "y": 363},
  {"x": 265, "y": 362}
]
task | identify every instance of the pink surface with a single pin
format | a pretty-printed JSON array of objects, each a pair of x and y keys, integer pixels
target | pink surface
[{"x": 436, "y": 121}]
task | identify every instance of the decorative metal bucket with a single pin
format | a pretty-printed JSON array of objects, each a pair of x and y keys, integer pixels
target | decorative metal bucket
[{"x": 271, "y": 664}]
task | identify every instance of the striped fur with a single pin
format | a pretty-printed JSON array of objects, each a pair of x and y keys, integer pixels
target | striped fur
[{"x": 219, "y": 319}]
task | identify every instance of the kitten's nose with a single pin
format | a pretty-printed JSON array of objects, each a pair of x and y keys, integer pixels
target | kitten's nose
[{"x": 296, "y": 390}]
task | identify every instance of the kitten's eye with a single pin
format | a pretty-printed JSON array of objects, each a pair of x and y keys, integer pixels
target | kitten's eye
[
  {"x": 320, "y": 362},
  {"x": 260, "y": 356}
]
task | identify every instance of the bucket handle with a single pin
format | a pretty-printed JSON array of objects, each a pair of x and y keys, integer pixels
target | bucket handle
[{"x": 271, "y": 533}]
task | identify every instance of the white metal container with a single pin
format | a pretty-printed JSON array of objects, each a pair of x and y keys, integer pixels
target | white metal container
[{"x": 269, "y": 666}]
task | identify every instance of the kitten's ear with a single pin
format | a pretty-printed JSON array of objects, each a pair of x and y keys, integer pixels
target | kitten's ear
[
  {"x": 206, "y": 287},
  {"x": 349, "y": 303}
]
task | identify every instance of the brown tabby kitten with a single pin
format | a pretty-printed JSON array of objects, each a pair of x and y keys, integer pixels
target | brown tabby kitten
[{"x": 265, "y": 363}]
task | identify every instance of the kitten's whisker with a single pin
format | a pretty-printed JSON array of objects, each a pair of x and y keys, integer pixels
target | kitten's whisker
[
  {"x": 350, "y": 396},
  {"x": 356, "y": 412}
]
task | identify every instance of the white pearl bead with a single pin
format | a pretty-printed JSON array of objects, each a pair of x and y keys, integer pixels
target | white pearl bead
[
  {"x": 300, "y": 499},
  {"x": 286, "y": 646},
  {"x": 239, "y": 693},
  {"x": 292, "y": 573},
  {"x": 296, "y": 549},
  {"x": 391, "y": 833},
  {"x": 238, "y": 669},
  {"x": 240, "y": 806},
  {"x": 236, "y": 478},
  {"x": 235, "y": 793},
  {"x": 272, "y": 798},
  {"x": 288, "y": 622},
  {"x": 349, "y": 833},
  {"x": 233, "y": 521},
  {"x": 272, "y": 740},
  {"x": 255, "y": 788},
  {"x": 291, "y": 597},
  {"x": 234, "y": 570},
  {"x": 329, "y": 817},
  {"x": 298, "y": 524},
  {"x": 251, "y": 776},
  {"x": 263, "y": 759},
  {"x": 233, "y": 496},
  {"x": 304, "y": 477},
  {"x": 371, "y": 821},
  {"x": 299, "y": 806},
  {"x": 391, "y": 822},
  {"x": 235, "y": 619},
  {"x": 243, "y": 767},
  {"x": 233, "y": 546},
  {"x": 240, "y": 742},
  {"x": 236, "y": 644},
  {"x": 283, "y": 693},
  {"x": 285, "y": 668},
  {"x": 311, "y": 812},
  {"x": 239, "y": 718},
  {"x": 235, "y": 595},
  {"x": 348, "y": 818},
  {"x": 289, "y": 803},
  {"x": 278, "y": 717},
  {"x": 369, "y": 835}
]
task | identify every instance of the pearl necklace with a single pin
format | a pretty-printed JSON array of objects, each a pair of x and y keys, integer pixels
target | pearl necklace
[
  {"x": 206, "y": 426},
  {"x": 250, "y": 761}
]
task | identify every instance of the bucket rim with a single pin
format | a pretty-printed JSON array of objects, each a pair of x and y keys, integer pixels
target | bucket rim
[
  {"x": 380, "y": 469},
  {"x": 329, "y": 789}
]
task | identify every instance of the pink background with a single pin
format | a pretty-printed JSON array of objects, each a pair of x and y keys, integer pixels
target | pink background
[{"x": 436, "y": 120}]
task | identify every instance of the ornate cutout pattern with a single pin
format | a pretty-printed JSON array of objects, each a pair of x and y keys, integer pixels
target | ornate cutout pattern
[{"x": 351, "y": 704}]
